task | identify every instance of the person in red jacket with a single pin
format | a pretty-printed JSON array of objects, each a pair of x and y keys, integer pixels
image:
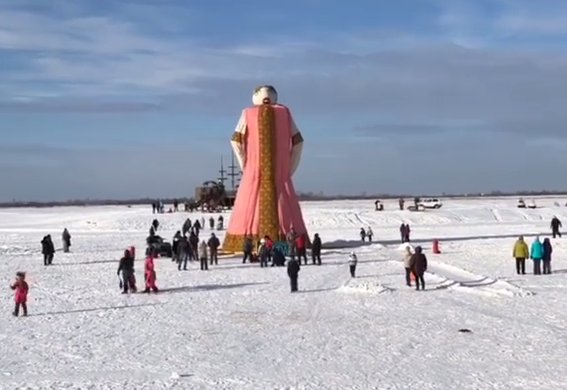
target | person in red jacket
[
  {"x": 150, "y": 273},
  {"x": 300, "y": 248},
  {"x": 21, "y": 289}
]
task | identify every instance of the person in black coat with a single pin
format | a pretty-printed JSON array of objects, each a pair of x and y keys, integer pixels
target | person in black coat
[
  {"x": 547, "y": 251},
  {"x": 555, "y": 226},
  {"x": 183, "y": 250},
  {"x": 418, "y": 266},
  {"x": 293, "y": 268},
  {"x": 278, "y": 258},
  {"x": 126, "y": 267},
  {"x": 175, "y": 245},
  {"x": 197, "y": 227},
  {"x": 186, "y": 227},
  {"x": 47, "y": 249},
  {"x": 316, "y": 249},
  {"x": 214, "y": 245},
  {"x": 194, "y": 246},
  {"x": 247, "y": 249}
]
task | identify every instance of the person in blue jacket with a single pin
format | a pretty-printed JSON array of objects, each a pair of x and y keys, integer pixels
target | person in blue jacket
[{"x": 537, "y": 255}]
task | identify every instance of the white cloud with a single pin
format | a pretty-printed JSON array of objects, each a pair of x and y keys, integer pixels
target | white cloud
[
  {"x": 119, "y": 57},
  {"x": 137, "y": 58},
  {"x": 528, "y": 23}
]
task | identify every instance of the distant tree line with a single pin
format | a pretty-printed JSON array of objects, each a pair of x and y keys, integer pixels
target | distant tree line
[{"x": 309, "y": 196}]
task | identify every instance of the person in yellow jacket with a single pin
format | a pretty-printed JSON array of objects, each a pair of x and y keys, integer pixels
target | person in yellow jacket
[{"x": 521, "y": 252}]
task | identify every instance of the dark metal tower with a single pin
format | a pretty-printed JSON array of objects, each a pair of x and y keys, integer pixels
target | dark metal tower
[
  {"x": 234, "y": 173},
  {"x": 222, "y": 178}
]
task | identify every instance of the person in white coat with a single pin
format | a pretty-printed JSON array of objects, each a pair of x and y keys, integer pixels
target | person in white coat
[
  {"x": 203, "y": 255},
  {"x": 407, "y": 256},
  {"x": 352, "y": 262},
  {"x": 369, "y": 234}
]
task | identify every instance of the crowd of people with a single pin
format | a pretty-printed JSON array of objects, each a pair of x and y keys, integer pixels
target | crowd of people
[
  {"x": 539, "y": 252},
  {"x": 187, "y": 246}
]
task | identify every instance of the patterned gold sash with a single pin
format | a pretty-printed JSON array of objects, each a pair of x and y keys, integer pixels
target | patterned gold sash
[{"x": 268, "y": 198}]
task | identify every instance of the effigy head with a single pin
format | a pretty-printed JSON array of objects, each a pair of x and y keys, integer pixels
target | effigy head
[{"x": 265, "y": 94}]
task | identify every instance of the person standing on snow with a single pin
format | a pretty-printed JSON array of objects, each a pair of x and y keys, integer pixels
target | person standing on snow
[
  {"x": 182, "y": 253},
  {"x": 418, "y": 266},
  {"x": 197, "y": 226},
  {"x": 521, "y": 252},
  {"x": 150, "y": 273},
  {"x": 47, "y": 249},
  {"x": 290, "y": 239},
  {"x": 21, "y": 288},
  {"x": 352, "y": 262},
  {"x": 203, "y": 256},
  {"x": 247, "y": 248},
  {"x": 405, "y": 233},
  {"x": 407, "y": 264},
  {"x": 537, "y": 255},
  {"x": 270, "y": 248},
  {"x": 66, "y": 239},
  {"x": 214, "y": 245},
  {"x": 316, "y": 249},
  {"x": 194, "y": 246},
  {"x": 547, "y": 251},
  {"x": 555, "y": 226},
  {"x": 126, "y": 267},
  {"x": 175, "y": 245},
  {"x": 293, "y": 268},
  {"x": 362, "y": 234},
  {"x": 300, "y": 248},
  {"x": 263, "y": 253},
  {"x": 369, "y": 234},
  {"x": 186, "y": 226}
]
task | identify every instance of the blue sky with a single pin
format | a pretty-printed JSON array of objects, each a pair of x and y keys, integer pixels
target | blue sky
[{"x": 124, "y": 98}]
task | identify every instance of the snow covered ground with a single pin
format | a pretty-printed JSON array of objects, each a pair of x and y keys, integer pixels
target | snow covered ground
[{"x": 238, "y": 327}]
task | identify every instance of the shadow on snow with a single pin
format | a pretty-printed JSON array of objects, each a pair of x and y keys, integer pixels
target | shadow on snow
[
  {"x": 85, "y": 263},
  {"x": 208, "y": 287},
  {"x": 54, "y": 313}
]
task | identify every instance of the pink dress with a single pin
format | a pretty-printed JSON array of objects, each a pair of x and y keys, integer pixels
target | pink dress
[
  {"x": 150, "y": 273},
  {"x": 21, "y": 289},
  {"x": 266, "y": 202}
]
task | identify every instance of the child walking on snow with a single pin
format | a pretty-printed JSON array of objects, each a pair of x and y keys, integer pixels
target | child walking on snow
[
  {"x": 263, "y": 253},
  {"x": 352, "y": 262},
  {"x": 21, "y": 289},
  {"x": 150, "y": 273}
]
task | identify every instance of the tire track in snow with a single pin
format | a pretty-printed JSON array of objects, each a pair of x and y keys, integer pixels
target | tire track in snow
[
  {"x": 458, "y": 279},
  {"x": 496, "y": 214},
  {"x": 523, "y": 215},
  {"x": 458, "y": 218},
  {"x": 359, "y": 219}
]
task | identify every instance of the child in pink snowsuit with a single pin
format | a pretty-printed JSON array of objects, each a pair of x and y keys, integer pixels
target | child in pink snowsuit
[
  {"x": 150, "y": 274},
  {"x": 21, "y": 289}
]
